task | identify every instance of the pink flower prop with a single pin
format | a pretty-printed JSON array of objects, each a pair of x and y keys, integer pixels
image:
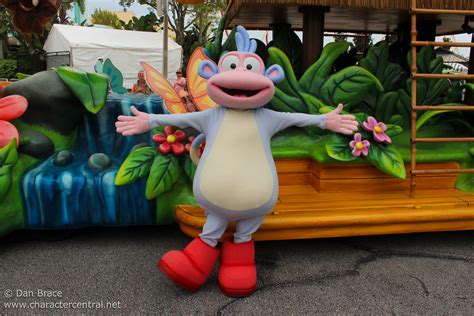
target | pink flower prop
[
  {"x": 359, "y": 146},
  {"x": 378, "y": 129},
  {"x": 11, "y": 107}
]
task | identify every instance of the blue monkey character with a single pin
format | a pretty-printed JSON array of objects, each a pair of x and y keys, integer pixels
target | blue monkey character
[{"x": 236, "y": 178}]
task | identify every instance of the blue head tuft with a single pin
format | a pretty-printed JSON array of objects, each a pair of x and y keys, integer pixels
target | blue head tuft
[{"x": 243, "y": 42}]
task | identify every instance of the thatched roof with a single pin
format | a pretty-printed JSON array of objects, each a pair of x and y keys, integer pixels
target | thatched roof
[
  {"x": 344, "y": 15},
  {"x": 450, "y": 57}
]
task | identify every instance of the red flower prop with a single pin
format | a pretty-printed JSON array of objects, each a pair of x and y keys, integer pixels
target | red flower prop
[
  {"x": 200, "y": 148},
  {"x": 11, "y": 107},
  {"x": 31, "y": 16},
  {"x": 170, "y": 141}
]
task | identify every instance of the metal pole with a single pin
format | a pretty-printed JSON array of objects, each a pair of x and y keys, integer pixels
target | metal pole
[{"x": 165, "y": 35}]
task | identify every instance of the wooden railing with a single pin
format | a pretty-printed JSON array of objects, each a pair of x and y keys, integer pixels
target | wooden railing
[{"x": 415, "y": 75}]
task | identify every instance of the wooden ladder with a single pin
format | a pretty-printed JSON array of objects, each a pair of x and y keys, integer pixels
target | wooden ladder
[{"x": 415, "y": 75}]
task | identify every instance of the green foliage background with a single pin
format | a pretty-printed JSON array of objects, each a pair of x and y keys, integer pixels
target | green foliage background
[{"x": 7, "y": 68}]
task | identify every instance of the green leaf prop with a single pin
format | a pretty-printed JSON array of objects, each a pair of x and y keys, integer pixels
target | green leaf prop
[
  {"x": 5, "y": 181},
  {"x": 287, "y": 103},
  {"x": 22, "y": 76},
  {"x": 289, "y": 85},
  {"x": 213, "y": 49},
  {"x": 8, "y": 159},
  {"x": 189, "y": 167},
  {"x": 397, "y": 119},
  {"x": 387, "y": 159},
  {"x": 229, "y": 44},
  {"x": 9, "y": 154},
  {"x": 428, "y": 91},
  {"x": 287, "y": 41},
  {"x": 313, "y": 103},
  {"x": 338, "y": 148},
  {"x": 136, "y": 165},
  {"x": 469, "y": 86},
  {"x": 163, "y": 174},
  {"x": 377, "y": 62},
  {"x": 90, "y": 88},
  {"x": 393, "y": 130},
  {"x": 314, "y": 77},
  {"x": 349, "y": 86},
  {"x": 387, "y": 106},
  {"x": 326, "y": 109},
  {"x": 115, "y": 76},
  {"x": 455, "y": 92},
  {"x": 425, "y": 117},
  {"x": 361, "y": 117},
  {"x": 404, "y": 106}
]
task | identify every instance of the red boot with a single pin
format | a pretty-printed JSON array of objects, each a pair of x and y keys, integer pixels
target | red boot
[
  {"x": 237, "y": 273},
  {"x": 191, "y": 267}
]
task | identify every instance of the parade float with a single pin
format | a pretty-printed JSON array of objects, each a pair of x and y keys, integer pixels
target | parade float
[{"x": 69, "y": 169}]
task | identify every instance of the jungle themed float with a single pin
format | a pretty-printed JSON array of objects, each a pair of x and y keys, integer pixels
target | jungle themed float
[{"x": 69, "y": 169}]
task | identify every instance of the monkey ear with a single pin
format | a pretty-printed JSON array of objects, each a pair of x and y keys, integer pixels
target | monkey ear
[
  {"x": 275, "y": 73},
  {"x": 207, "y": 69}
]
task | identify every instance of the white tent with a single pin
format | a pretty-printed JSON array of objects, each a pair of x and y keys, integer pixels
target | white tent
[{"x": 126, "y": 49}]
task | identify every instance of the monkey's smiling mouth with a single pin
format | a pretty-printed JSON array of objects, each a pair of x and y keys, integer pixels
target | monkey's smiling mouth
[{"x": 239, "y": 93}]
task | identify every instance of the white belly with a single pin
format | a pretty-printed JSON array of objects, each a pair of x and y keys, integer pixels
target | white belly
[{"x": 236, "y": 174}]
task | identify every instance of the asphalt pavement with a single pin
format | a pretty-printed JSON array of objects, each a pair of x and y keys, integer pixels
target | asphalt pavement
[{"x": 112, "y": 271}]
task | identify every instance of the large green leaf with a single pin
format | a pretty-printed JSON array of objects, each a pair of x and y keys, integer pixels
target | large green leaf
[
  {"x": 314, "y": 77},
  {"x": 229, "y": 44},
  {"x": 115, "y": 76},
  {"x": 387, "y": 159},
  {"x": 90, "y": 88},
  {"x": 393, "y": 130},
  {"x": 9, "y": 154},
  {"x": 136, "y": 165},
  {"x": 423, "y": 59},
  {"x": 386, "y": 106},
  {"x": 470, "y": 86},
  {"x": 189, "y": 167},
  {"x": 426, "y": 116},
  {"x": 163, "y": 174},
  {"x": 286, "y": 103},
  {"x": 289, "y": 85},
  {"x": 349, "y": 86},
  {"x": 404, "y": 106},
  {"x": 338, "y": 148},
  {"x": 5, "y": 180},
  {"x": 287, "y": 41},
  {"x": 8, "y": 159},
  {"x": 397, "y": 119},
  {"x": 455, "y": 92},
  {"x": 313, "y": 103},
  {"x": 213, "y": 49},
  {"x": 428, "y": 91},
  {"x": 377, "y": 62}
]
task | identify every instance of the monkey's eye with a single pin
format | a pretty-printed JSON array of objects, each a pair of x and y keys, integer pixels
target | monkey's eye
[
  {"x": 252, "y": 64},
  {"x": 230, "y": 62}
]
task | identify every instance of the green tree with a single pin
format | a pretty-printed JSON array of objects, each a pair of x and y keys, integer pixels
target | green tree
[
  {"x": 66, "y": 6},
  {"x": 361, "y": 43},
  {"x": 339, "y": 37},
  {"x": 146, "y": 23},
  {"x": 104, "y": 17},
  {"x": 184, "y": 17}
]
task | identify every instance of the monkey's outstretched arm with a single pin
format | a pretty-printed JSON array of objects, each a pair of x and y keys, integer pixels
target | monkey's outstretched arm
[
  {"x": 197, "y": 120},
  {"x": 277, "y": 121},
  {"x": 333, "y": 121},
  {"x": 141, "y": 122}
]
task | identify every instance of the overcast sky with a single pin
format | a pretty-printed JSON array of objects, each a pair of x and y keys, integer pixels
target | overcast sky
[{"x": 113, "y": 5}]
